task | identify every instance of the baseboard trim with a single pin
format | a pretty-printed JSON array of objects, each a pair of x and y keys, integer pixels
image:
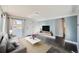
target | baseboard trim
[{"x": 71, "y": 42}]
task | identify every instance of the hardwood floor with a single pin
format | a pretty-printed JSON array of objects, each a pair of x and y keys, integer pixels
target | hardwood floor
[
  {"x": 37, "y": 48},
  {"x": 41, "y": 47}
]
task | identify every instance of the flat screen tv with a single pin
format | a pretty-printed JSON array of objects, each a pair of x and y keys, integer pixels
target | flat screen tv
[{"x": 45, "y": 28}]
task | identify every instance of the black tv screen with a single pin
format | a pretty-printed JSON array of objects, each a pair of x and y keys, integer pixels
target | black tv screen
[{"x": 45, "y": 28}]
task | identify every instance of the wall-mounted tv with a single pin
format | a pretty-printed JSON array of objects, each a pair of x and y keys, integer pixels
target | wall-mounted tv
[{"x": 45, "y": 28}]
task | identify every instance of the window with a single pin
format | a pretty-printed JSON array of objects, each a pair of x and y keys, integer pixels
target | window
[{"x": 16, "y": 27}]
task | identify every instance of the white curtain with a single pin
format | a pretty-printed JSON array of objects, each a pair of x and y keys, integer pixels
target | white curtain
[
  {"x": 1, "y": 24},
  {"x": 78, "y": 32},
  {"x": 5, "y": 28}
]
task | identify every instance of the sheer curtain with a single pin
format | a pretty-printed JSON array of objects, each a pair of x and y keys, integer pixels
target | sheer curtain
[
  {"x": 16, "y": 27},
  {"x": 1, "y": 24}
]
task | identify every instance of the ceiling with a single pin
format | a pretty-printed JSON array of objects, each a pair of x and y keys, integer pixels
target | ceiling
[{"x": 37, "y": 12}]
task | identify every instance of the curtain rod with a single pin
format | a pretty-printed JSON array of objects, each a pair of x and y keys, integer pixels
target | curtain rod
[{"x": 17, "y": 17}]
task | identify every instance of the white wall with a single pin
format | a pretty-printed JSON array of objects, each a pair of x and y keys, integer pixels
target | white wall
[
  {"x": 29, "y": 26},
  {"x": 35, "y": 27}
]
